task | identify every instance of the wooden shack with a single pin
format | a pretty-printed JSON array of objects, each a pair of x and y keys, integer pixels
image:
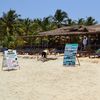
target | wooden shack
[{"x": 59, "y": 37}]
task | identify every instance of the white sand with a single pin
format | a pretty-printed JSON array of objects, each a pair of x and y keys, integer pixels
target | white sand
[{"x": 51, "y": 80}]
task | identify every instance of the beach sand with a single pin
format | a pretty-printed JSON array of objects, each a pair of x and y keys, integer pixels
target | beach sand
[{"x": 50, "y": 80}]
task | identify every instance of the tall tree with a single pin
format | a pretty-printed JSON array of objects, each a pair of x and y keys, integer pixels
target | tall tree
[
  {"x": 90, "y": 21},
  {"x": 44, "y": 24},
  {"x": 8, "y": 24},
  {"x": 81, "y": 21},
  {"x": 48, "y": 24},
  {"x": 37, "y": 23},
  {"x": 8, "y": 21},
  {"x": 26, "y": 25},
  {"x": 71, "y": 22},
  {"x": 60, "y": 17}
]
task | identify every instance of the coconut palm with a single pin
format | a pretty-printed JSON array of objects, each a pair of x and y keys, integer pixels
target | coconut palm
[
  {"x": 37, "y": 23},
  {"x": 48, "y": 24},
  {"x": 26, "y": 26},
  {"x": 81, "y": 21},
  {"x": 90, "y": 21},
  {"x": 8, "y": 21},
  {"x": 44, "y": 24},
  {"x": 71, "y": 22},
  {"x": 8, "y": 25},
  {"x": 60, "y": 17}
]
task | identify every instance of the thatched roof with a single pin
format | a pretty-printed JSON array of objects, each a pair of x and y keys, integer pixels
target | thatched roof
[
  {"x": 69, "y": 30},
  {"x": 73, "y": 30},
  {"x": 94, "y": 27}
]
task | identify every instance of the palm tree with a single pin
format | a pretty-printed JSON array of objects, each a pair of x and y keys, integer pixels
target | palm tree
[
  {"x": 9, "y": 21},
  {"x": 44, "y": 24},
  {"x": 71, "y": 22},
  {"x": 90, "y": 21},
  {"x": 26, "y": 26},
  {"x": 81, "y": 21},
  {"x": 37, "y": 23},
  {"x": 60, "y": 17},
  {"x": 48, "y": 24},
  {"x": 8, "y": 25}
]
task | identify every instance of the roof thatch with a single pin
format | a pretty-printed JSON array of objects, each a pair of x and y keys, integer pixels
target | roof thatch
[
  {"x": 94, "y": 27},
  {"x": 73, "y": 30}
]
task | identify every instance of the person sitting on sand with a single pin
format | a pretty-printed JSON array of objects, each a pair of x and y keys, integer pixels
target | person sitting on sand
[{"x": 44, "y": 53}]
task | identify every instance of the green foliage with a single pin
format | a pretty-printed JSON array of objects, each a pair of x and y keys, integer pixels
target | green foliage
[
  {"x": 90, "y": 21},
  {"x": 81, "y": 21},
  {"x": 11, "y": 26},
  {"x": 20, "y": 42},
  {"x": 60, "y": 17},
  {"x": 9, "y": 42},
  {"x": 37, "y": 41}
]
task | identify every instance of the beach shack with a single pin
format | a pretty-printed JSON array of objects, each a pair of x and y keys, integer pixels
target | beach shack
[{"x": 57, "y": 38}]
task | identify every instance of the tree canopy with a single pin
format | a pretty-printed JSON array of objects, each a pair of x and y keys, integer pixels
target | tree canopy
[{"x": 12, "y": 25}]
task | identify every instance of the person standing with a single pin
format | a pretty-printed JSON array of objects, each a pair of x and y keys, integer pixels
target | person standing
[{"x": 85, "y": 41}]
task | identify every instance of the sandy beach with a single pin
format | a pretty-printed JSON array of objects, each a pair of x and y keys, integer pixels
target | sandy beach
[{"x": 50, "y": 80}]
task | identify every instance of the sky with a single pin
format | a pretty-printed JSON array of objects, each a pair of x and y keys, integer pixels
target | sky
[{"x": 42, "y": 8}]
